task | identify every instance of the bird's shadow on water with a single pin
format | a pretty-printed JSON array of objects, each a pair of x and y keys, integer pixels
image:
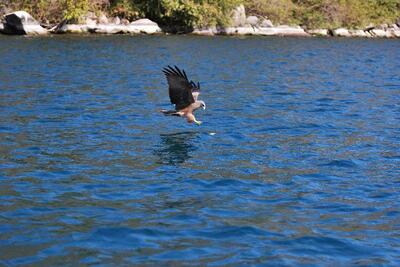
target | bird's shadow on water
[{"x": 176, "y": 148}]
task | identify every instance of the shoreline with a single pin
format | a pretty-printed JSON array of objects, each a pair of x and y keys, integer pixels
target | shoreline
[
  {"x": 22, "y": 23},
  {"x": 279, "y": 31}
]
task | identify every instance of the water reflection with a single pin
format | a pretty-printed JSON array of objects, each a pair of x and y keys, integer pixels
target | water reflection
[{"x": 176, "y": 148}]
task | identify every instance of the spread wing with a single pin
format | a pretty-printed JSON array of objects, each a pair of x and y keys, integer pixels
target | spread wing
[
  {"x": 182, "y": 92},
  {"x": 195, "y": 90}
]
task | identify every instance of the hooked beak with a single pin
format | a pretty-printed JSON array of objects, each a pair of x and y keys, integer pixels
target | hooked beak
[{"x": 204, "y": 106}]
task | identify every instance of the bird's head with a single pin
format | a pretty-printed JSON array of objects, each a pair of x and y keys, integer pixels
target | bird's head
[
  {"x": 199, "y": 104},
  {"x": 202, "y": 104}
]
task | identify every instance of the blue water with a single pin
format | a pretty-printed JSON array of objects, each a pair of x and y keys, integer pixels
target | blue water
[{"x": 297, "y": 161}]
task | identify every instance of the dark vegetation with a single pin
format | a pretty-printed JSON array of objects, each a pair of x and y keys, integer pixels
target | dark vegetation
[{"x": 190, "y": 13}]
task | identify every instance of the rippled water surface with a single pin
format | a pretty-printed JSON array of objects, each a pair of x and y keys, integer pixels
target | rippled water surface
[{"x": 303, "y": 168}]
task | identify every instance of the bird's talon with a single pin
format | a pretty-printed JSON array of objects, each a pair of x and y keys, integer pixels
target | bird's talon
[{"x": 198, "y": 122}]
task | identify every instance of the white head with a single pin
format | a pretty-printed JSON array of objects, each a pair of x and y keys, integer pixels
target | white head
[{"x": 200, "y": 104}]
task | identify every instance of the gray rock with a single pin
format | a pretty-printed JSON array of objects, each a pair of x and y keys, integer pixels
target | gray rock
[
  {"x": 266, "y": 23},
  {"x": 103, "y": 19},
  {"x": 238, "y": 16},
  {"x": 368, "y": 34},
  {"x": 282, "y": 30},
  {"x": 140, "y": 26},
  {"x": 89, "y": 18},
  {"x": 1, "y": 27},
  {"x": 205, "y": 31},
  {"x": 144, "y": 26},
  {"x": 252, "y": 20},
  {"x": 396, "y": 33},
  {"x": 380, "y": 33},
  {"x": 59, "y": 27},
  {"x": 116, "y": 20},
  {"x": 73, "y": 28},
  {"x": 319, "y": 32},
  {"x": 90, "y": 22},
  {"x": 238, "y": 31},
  {"x": 145, "y": 22},
  {"x": 21, "y": 22},
  {"x": 359, "y": 33},
  {"x": 266, "y": 31},
  {"x": 124, "y": 21},
  {"x": 109, "y": 29},
  {"x": 341, "y": 32}
]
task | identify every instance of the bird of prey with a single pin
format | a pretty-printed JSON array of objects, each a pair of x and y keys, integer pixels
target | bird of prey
[{"x": 183, "y": 94}]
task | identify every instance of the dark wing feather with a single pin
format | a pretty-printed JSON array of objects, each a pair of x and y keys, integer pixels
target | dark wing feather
[{"x": 180, "y": 89}]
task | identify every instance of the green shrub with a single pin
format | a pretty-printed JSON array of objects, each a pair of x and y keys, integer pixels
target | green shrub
[
  {"x": 188, "y": 14},
  {"x": 75, "y": 9},
  {"x": 279, "y": 11},
  {"x": 124, "y": 9},
  {"x": 327, "y": 13}
]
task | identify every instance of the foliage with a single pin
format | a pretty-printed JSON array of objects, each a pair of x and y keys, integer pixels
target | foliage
[
  {"x": 279, "y": 11},
  {"x": 327, "y": 13},
  {"x": 124, "y": 9},
  {"x": 76, "y": 9},
  {"x": 199, "y": 13},
  {"x": 188, "y": 13}
]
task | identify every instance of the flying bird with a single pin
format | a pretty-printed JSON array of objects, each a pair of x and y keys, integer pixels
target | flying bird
[{"x": 183, "y": 94}]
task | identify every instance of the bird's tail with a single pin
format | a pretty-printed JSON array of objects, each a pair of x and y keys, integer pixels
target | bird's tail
[{"x": 170, "y": 112}]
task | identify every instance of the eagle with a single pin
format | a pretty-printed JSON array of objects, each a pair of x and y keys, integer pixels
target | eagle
[{"x": 183, "y": 94}]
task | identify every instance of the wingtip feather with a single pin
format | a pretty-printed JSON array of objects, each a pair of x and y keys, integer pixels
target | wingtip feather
[{"x": 179, "y": 71}]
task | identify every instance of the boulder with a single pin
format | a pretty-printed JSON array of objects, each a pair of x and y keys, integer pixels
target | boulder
[
  {"x": 396, "y": 33},
  {"x": 238, "y": 16},
  {"x": 266, "y": 23},
  {"x": 143, "y": 26},
  {"x": 369, "y": 35},
  {"x": 103, "y": 19},
  {"x": 398, "y": 22},
  {"x": 116, "y": 20},
  {"x": 1, "y": 27},
  {"x": 90, "y": 22},
  {"x": 109, "y": 29},
  {"x": 46, "y": 25},
  {"x": 252, "y": 20},
  {"x": 341, "y": 32},
  {"x": 393, "y": 33},
  {"x": 318, "y": 32},
  {"x": 282, "y": 30},
  {"x": 74, "y": 28},
  {"x": 267, "y": 31},
  {"x": 205, "y": 31},
  {"x": 359, "y": 33},
  {"x": 124, "y": 21},
  {"x": 21, "y": 22},
  {"x": 380, "y": 33},
  {"x": 238, "y": 31}
]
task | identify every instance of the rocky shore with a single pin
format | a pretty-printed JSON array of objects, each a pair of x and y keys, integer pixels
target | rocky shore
[{"x": 22, "y": 23}]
